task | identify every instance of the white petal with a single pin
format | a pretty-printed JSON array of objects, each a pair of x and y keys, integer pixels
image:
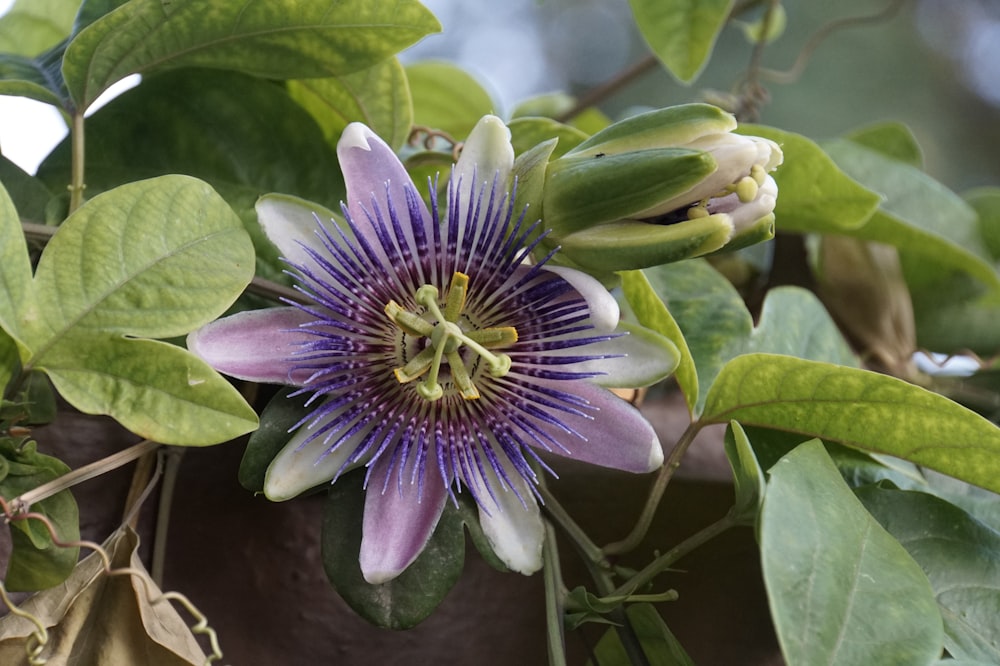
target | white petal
[
  {"x": 488, "y": 154},
  {"x": 295, "y": 470},
  {"x": 637, "y": 357},
  {"x": 514, "y": 530},
  {"x": 292, "y": 224},
  {"x": 604, "y": 311}
]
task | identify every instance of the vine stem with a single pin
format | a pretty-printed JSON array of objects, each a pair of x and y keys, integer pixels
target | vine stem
[
  {"x": 792, "y": 74},
  {"x": 661, "y": 563},
  {"x": 611, "y": 86},
  {"x": 590, "y": 550},
  {"x": 670, "y": 466},
  {"x": 554, "y": 611},
  {"x": 77, "y": 184},
  {"x": 23, "y": 502},
  {"x": 599, "y": 570},
  {"x": 171, "y": 467}
]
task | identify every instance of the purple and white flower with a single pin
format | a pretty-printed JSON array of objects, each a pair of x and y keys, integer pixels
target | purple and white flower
[{"x": 437, "y": 355}]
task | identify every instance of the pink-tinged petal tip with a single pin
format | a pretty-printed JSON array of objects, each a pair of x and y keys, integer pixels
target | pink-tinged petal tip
[
  {"x": 256, "y": 345},
  {"x": 400, "y": 518}
]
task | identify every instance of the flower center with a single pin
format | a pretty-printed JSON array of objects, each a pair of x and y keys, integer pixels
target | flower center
[{"x": 445, "y": 340}]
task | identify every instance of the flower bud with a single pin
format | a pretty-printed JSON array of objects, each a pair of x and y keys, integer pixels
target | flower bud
[{"x": 659, "y": 187}]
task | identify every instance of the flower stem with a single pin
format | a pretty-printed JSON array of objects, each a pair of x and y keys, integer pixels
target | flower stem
[
  {"x": 77, "y": 185},
  {"x": 590, "y": 550},
  {"x": 553, "y": 598},
  {"x": 673, "y": 461},
  {"x": 664, "y": 561},
  {"x": 24, "y": 501}
]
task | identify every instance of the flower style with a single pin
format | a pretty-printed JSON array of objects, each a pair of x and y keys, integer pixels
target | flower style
[{"x": 437, "y": 356}]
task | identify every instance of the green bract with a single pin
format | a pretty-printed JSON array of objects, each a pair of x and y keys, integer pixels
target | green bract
[{"x": 660, "y": 187}]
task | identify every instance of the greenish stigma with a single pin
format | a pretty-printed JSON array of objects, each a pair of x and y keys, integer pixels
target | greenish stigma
[{"x": 446, "y": 338}]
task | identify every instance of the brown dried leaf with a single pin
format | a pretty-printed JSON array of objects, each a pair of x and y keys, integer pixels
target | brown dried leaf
[{"x": 95, "y": 618}]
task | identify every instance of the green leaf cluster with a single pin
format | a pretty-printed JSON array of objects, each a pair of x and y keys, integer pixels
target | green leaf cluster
[{"x": 152, "y": 259}]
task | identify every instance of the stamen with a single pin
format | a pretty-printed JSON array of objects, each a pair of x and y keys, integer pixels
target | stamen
[
  {"x": 406, "y": 320},
  {"x": 461, "y": 377},
  {"x": 417, "y": 366},
  {"x": 446, "y": 338},
  {"x": 501, "y": 336},
  {"x": 457, "y": 291},
  {"x": 746, "y": 189}
]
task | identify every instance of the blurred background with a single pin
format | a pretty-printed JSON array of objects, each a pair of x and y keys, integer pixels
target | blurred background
[{"x": 932, "y": 64}]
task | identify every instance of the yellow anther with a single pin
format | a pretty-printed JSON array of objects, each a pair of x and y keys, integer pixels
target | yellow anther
[
  {"x": 417, "y": 366},
  {"x": 461, "y": 377},
  {"x": 410, "y": 323},
  {"x": 457, "y": 291},
  {"x": 746, "y": 189},
  {"x": 758, "y": 173},
  {"x": 493, "y": 338},
  {"x": 444, "y": 338}
]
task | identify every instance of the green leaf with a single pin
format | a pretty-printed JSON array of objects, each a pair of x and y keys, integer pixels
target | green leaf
[
  {"x": 378, "y": 96},
  {"x": 278, "y": 39},
  {"x": 652, "y": 313},
  {"x": 555, "y": 105},
  {"x": 242, "y": 135},
  {"x": 957, "y": 314},
  {"x": 793, "y": 322},
  {"x": 276, "y": 421},
  {"x": 528, "y": 132},
  {"x": 15, "y": 268},
  {"x": 717, "y": 326},
  {"x": 814, "y": 194},
  {"x": 681, "y": 33},
  {"x": 919, "y": 215},
  {"x": 892, "y": 139},
  {"x": 860, "y": 409},
  {"x": 36, "y": 562},
  {"x": 10, "y": 361},
  {"x": 960, "y": 556},
  {"x": 841, "y": 589},
  {"x": 406, "y": 600},
  {"x": 156, "y": 390},
  {"x": 748, "y": 477},
  {"x": 758, "y": 31},
  {"x": 157, "y": 258},
  {"x": 31, "y": 26},
  {"x": 446, "y": 98},
  {"x": 29, "y": 194},
  {"x": 660, "y": 645},
  {"x": 710, "y": 314},
  {"x": 35, "y": 78},
  {"x": 986, "y": 202}
]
